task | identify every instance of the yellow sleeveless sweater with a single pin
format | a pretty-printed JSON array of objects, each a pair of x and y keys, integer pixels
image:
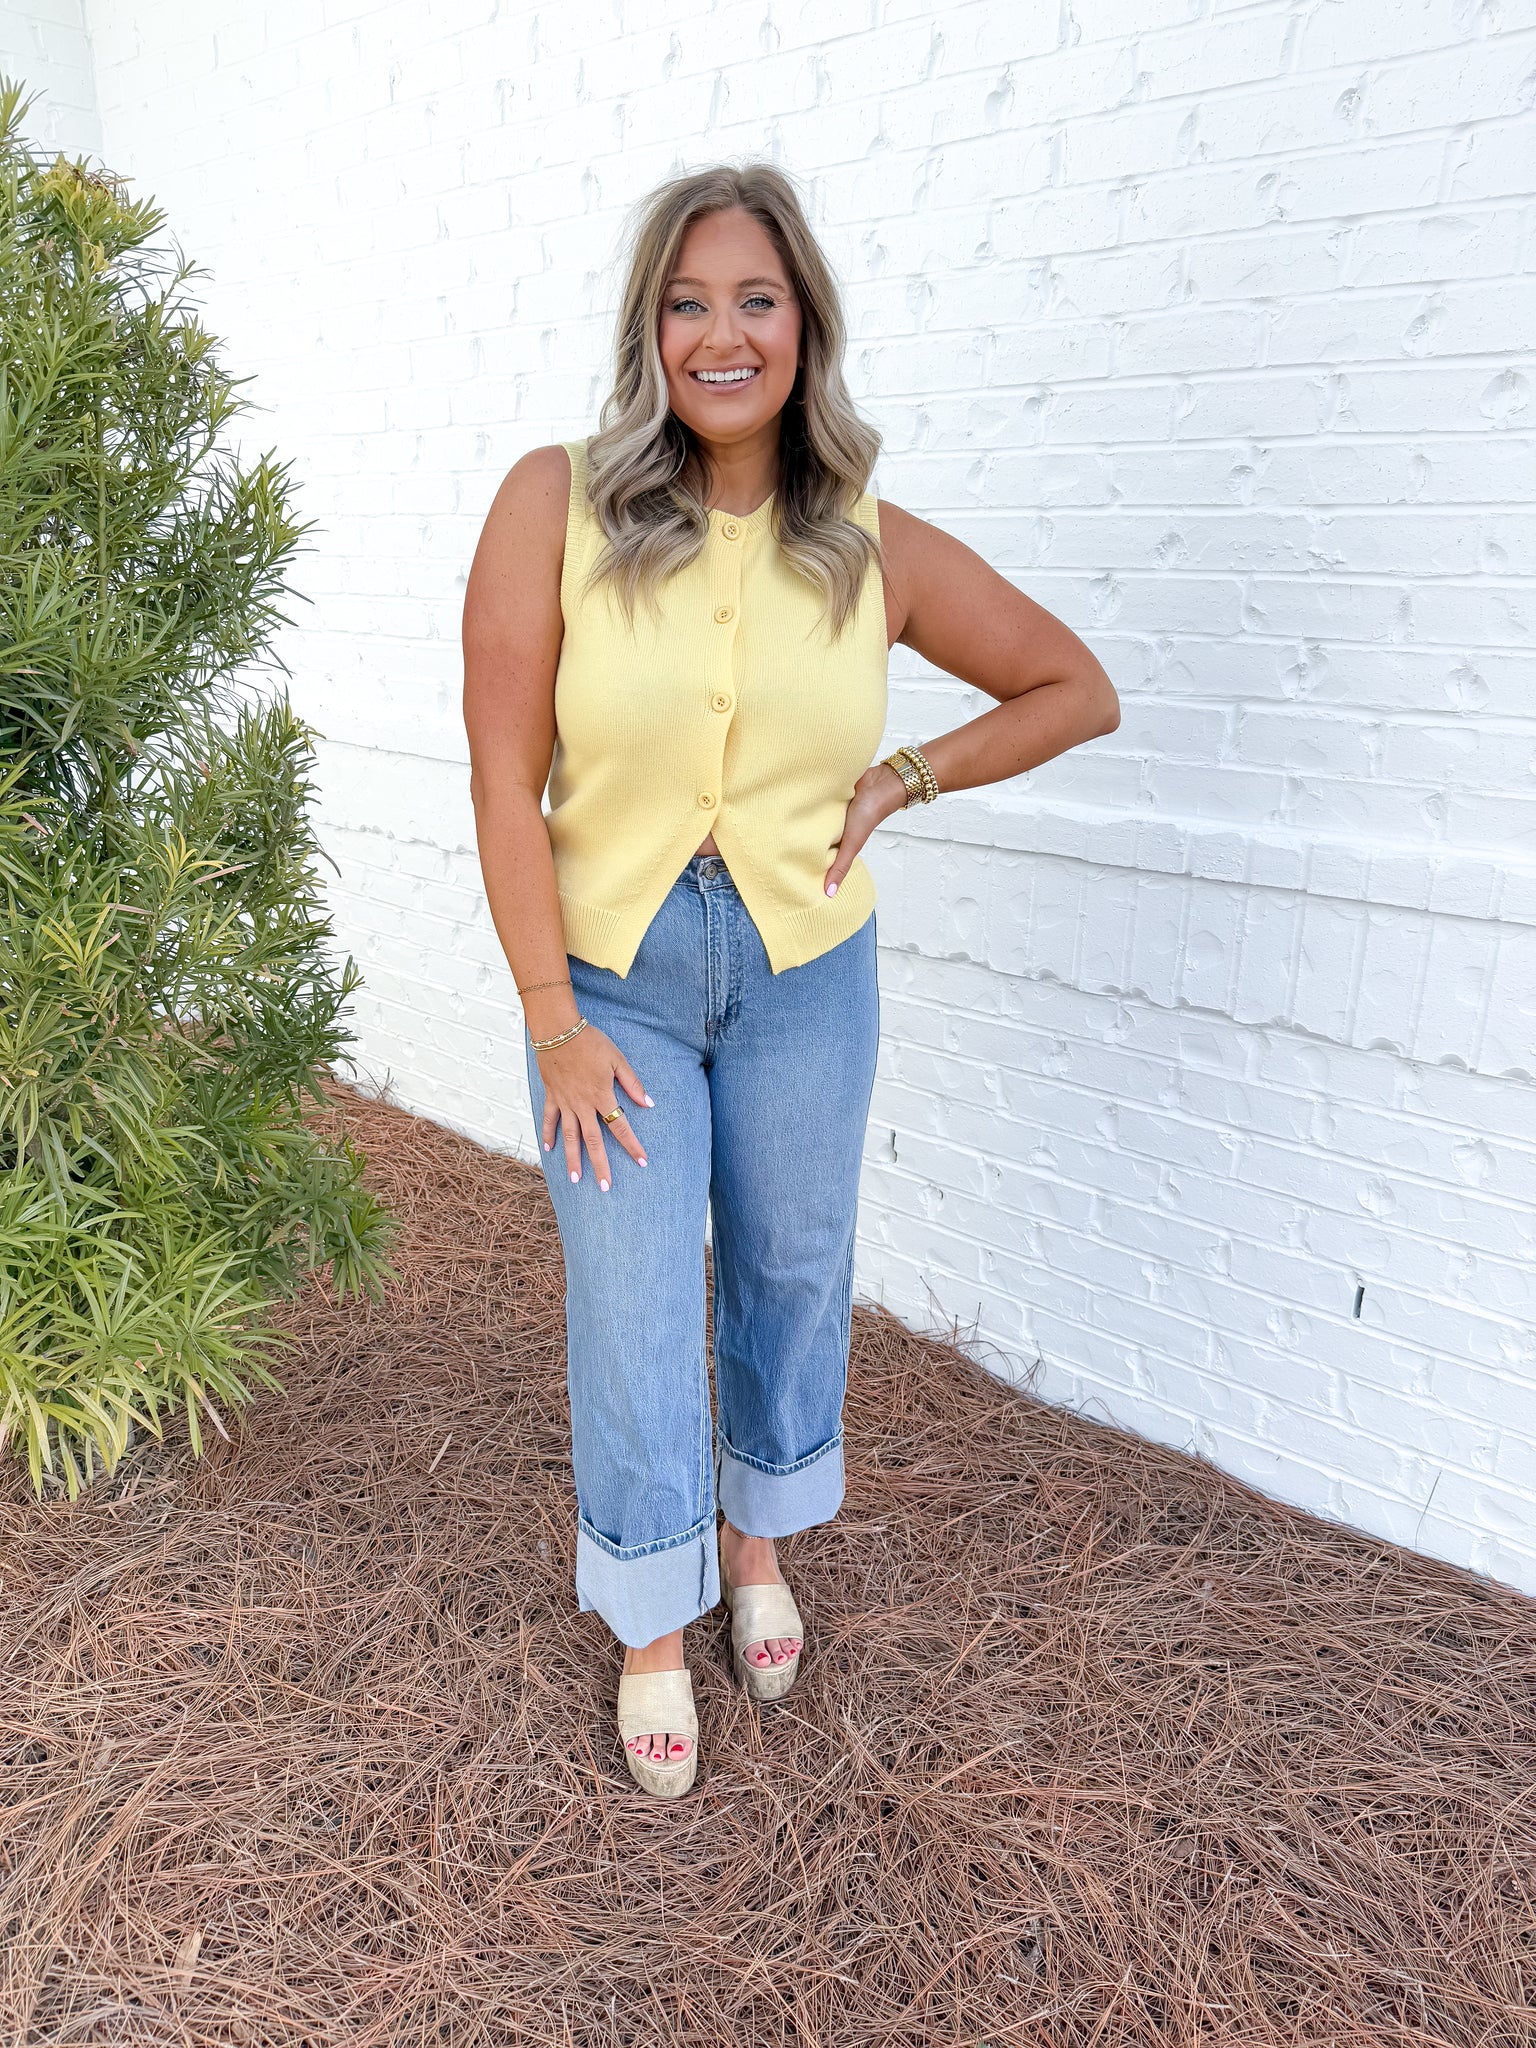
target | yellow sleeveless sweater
[{"x": 730, "y": 711}]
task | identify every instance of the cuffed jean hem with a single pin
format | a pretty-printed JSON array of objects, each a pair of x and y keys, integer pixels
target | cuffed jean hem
[
  {"x": 759, "y": 1500},
  {"x": 648, "y": 1593}
]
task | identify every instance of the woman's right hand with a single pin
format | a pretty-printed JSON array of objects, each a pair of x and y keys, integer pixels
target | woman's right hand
[{"x": 579, "y": 1089}]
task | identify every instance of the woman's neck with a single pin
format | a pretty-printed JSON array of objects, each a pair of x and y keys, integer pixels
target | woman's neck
[{"x": 741, "y": 476}]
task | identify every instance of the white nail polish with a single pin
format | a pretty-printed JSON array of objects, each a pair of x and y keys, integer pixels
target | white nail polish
[
  {"x": 603, "y": 1185},
  {"x": 649, "y": 1103},
  {"x": 831, "y": 888},
  {"x": 575, "y": 1176}
]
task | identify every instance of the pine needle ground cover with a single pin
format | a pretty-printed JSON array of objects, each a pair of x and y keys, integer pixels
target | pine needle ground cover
[{"x": 303, "y": 1743}]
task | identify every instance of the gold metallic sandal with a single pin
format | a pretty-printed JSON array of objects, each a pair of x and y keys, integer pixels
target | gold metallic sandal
[
  {"x": 659, "y": 1703},
  {"x": 758, "y": 1612}
]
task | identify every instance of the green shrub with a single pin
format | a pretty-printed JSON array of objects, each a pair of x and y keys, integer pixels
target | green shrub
[{"x": 168, "y": 998}]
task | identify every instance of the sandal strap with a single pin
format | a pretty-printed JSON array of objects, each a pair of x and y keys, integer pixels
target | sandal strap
[
  {"x": 758, "y": 1612},
  {"x": 657, "y": 1703}
]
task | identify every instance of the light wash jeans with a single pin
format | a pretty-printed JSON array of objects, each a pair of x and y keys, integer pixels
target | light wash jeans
[{"x": 761, "y": 1083}]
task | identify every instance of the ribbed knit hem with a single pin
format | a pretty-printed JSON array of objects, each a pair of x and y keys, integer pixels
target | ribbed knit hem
[
  {"x": 611, "y": 938},
  {"x": 592, "y": 933},
  {"x": 796, "y": 936}
]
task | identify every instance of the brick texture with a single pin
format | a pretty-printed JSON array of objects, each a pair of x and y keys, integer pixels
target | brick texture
[
  {"x": 1206, "y": 1079},
  {"x": 43, "y": 44}
]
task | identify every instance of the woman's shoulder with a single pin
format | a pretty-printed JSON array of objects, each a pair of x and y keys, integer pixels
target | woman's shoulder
[
  {"x": 544, "y": 474},
  {"x": 525, "y": 529},
  {"x": 913, "y": 554},
  {"x": 895, "y": 524},
  {"x": 534, "y": 499},
  {"x": 901, "y": 536}
]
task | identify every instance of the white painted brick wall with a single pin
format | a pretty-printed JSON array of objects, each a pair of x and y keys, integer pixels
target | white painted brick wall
[
  {"x": 1207, "y": 323},
  {"x": 44, "y": 43}
]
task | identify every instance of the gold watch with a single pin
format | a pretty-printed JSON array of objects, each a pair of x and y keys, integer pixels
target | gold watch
[{"x": 918, "y": 778}]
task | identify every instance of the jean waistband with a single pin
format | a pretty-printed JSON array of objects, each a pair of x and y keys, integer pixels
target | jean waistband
[{"x": 705, "y": 871}]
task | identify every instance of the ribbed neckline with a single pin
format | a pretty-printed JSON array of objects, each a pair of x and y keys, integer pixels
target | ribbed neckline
[{"x": 747, "y": 521}]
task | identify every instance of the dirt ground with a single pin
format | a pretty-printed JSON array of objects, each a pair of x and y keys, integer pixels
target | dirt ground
[{"x": 305, "y": 1744}]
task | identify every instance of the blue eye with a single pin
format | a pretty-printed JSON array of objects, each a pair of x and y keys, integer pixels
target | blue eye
[{"x": 689, "y": 303}]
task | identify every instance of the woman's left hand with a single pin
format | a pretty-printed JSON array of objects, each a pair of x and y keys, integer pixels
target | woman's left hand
[{"x": 878, "y": 792}]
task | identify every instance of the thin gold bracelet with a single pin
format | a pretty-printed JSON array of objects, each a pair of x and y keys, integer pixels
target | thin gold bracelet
[
  {"x": 544, "y": 1044},
  {"x": 564, "y": 981}
]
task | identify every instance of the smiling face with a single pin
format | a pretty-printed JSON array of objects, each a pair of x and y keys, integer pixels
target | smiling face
[{"x": 730, "y": 330}]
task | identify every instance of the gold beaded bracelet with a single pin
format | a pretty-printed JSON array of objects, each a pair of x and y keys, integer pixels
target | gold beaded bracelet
[
  {"x": 544, "y": 1044},
  {"x": 917, "y": 776}
]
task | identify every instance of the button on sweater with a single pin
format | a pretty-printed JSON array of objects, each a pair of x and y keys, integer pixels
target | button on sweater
[{"x": 729, "y": 709}]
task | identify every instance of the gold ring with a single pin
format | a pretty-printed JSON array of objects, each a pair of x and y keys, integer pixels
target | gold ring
[{"x": 610, "y": 1116}]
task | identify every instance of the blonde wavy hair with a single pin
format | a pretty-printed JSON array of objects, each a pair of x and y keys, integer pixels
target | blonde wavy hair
[{"x": 645, "y": 467}]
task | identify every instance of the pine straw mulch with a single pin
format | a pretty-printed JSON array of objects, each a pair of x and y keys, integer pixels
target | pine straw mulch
[{"x": 304, "y": 1744}]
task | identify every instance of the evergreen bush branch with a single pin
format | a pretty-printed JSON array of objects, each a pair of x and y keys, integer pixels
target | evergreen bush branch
[{"x": 169, "y": 995}]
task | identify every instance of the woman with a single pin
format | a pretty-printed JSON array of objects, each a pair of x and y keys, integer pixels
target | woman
[{"x": 681, "y": 625}]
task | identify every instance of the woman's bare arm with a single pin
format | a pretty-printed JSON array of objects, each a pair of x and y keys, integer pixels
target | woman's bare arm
[
  {"x": 512, "y": 633},
  {"x": 955, "y": 610}
]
